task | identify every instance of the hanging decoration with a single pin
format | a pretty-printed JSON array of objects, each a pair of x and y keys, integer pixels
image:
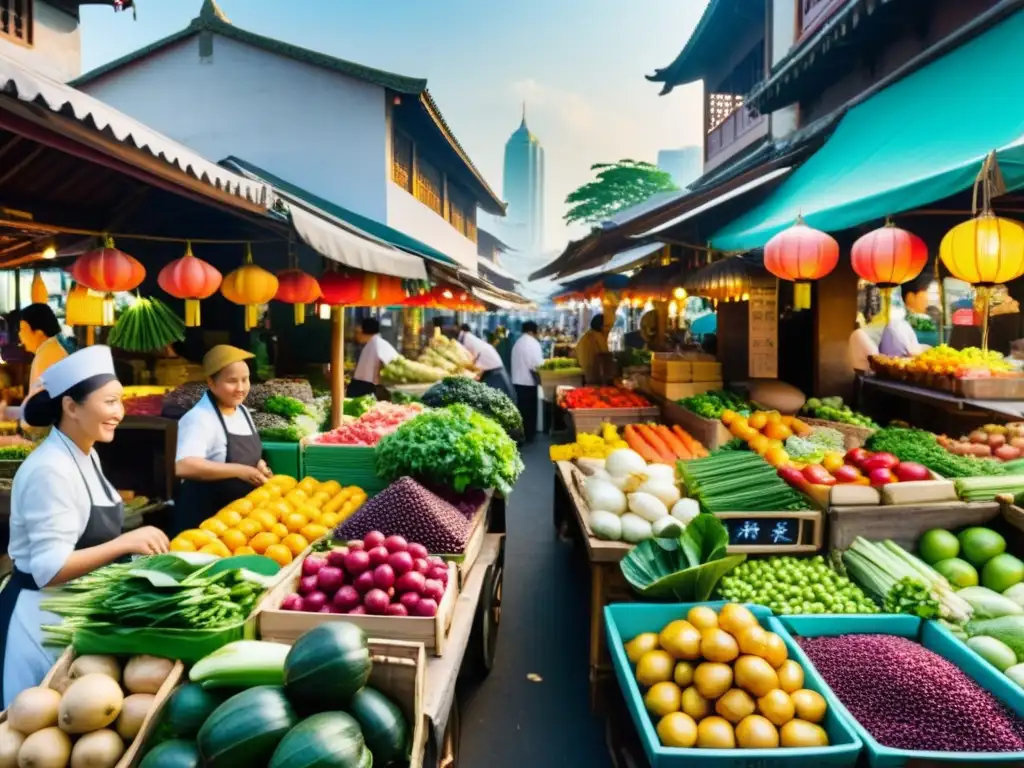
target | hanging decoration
[
  {"x": 108, "y": 270},
  {"x": 382, "y": 291},
  {"x": 729, "y": 279},
  {"x": 84, "y": 308},
  {"x": 801, "y": 254},
  {"x": 299, "y": 288},
  {"x": 192, "y": 279},
  {"x": 40, "y": 293},
  {"x": 445, "y": 296},
  {"x": 249, "y": 285},
  {"x": 987, "y": 250},
  {"x": 888, "y": 257},
  {"x": 340, "y": 289}
]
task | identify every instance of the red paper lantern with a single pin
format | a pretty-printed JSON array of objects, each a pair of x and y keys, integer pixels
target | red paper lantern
[
  {"x": 190, "y": 278},
  {"x": 108, "y": 270},
  {"x": 889, "y": 256},
  {"x": 296, "y": 287},
  {"x": 801, "y": 254},
  {"x": 338, "y": 289}
]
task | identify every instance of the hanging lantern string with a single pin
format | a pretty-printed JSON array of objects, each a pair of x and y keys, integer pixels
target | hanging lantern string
[
  {"x": 53, "y": 229},
  {"x": 990, "y": 179}
]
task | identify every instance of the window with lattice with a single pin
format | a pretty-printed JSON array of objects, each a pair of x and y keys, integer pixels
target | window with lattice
[
  {"x": 720, "y": 106},
  {"x": 429, "y": 186},
  {"x": 462, "y": 212},
  {"x": 401, "y": 160},
  {"x": 16, "y": 20}
]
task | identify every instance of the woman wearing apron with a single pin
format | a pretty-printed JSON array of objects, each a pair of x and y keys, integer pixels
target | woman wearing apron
[
  {"x": 220, "y": 455},
  {"x": 65, "y": 516}
]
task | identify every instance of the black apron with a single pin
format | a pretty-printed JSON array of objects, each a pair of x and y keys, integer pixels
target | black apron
[
  {"x": 198, "y": 500},
  {"x": 499, "y": 379},
  {"x": 105, "y": 523},
  {"x": 358, "y": 388}
]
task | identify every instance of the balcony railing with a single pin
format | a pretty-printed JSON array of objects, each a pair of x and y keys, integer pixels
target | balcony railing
[
  {"x": 813, "y": 13},
  {"x": 740, "y": 129}
]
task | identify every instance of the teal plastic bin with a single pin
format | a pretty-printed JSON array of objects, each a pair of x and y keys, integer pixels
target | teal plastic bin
[
  {"x": 934, "y": 637},
  {"x": 347, "y": 464},
  {"x": 625, "y": 621},
  {"x": 284, "y": 459}
]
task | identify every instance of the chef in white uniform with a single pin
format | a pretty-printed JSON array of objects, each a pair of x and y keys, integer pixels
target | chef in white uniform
[{"x": 65, "y": 516}]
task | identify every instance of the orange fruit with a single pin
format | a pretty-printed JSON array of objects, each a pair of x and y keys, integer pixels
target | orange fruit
[
  {"x": 250, "y": 527},
  {"x": 312, "y": 513},
  {"x": 261, "y": 541},
  {"x": 197, "y": 537},
  {"x": 214, "y": 526},
  {"x": 283, "y": 481},
  {"x": 320, "y": 496},
  {"x": 346, "y": 510},
  {"x": 313, "y": 531},
  {"x": 230, "y": 517},
  {"x": 279, "y": 509},
  {"x": 216, "y": 548},
  {"x": 245, "y": 506},
  {"x": 258, "y": 495},
  {"x": 182, "y": 545},
  {"x": 314, "y": 502},
  {"x": 330, "y": 487},
  {"x": 279, "y": 553},
  {"x": 329, "y": 519},
  {"x": 295, "y": 522},
  {"x": 275, "y": 491},
  {"x": 280, "y": 530},
  {"x": 295, "y": 543},
  {"x": 246, "y": 550},
  {"x": 265, "y": 518},
  {"x": 296, "y": 498},
  {"x": 308, "y": 485},
  {"x": 234, "y": 538}
]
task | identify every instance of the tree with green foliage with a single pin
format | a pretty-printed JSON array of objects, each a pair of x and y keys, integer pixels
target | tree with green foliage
[{"x": 617, "y": 186}]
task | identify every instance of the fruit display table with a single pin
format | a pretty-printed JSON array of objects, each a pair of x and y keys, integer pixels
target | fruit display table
[{"x": 946, "y": 401}]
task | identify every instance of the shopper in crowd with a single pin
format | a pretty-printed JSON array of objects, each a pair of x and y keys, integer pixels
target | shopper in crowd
[
  {"x": 589, "y": 349},
  {"x": 40, "y": 334},
  {"x": 66, "y": 516},
  {"x": 487, "y": 359},
  {"x": 899, "y": 339},
  {"x": 527, "y": 357},
  {"x": 377, "y": 352},
  {"x": 220, "y": 455}
]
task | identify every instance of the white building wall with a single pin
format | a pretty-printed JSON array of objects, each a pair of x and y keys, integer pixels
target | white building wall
[
  {"x": 56, "y": 44},
  {"x": 782, "y": 37},
  {"x": 409, "y": 215}
]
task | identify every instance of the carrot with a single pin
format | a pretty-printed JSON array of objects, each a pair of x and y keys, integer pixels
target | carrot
[
  {"x": 634, "y": 441},
  {"x": 648, "y": 434},
  {"x": 674, "y": 443},
  {"x": 692, "y": 445}
]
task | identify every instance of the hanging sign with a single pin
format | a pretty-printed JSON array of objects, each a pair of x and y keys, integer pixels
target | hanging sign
[{"x": 763, "y": 333}]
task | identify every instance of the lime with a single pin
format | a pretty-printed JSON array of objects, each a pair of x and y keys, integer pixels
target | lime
[
  {"x": 1002, "y": 572},
  {"x": 938, "y": 544},
  {"x": 957, "y": 572},
  {"x": 980, "y": 545}
]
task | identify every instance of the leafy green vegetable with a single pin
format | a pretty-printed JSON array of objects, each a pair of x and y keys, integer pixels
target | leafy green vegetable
[
  {"x": 282, "y": 405},
  {"x": 15, "y": 452},
  {"x": 454, "y": 447},
  {"x": 922, "y": 447},
  {"x": 559, "y": 364},
  {"x": 711, "y": 404},
  {"x": 404, "y": 398},
  {"x": 480, "y": 397},
  {"x": 357, "y": 406},
  {"x": 686, "y": 569},
  {"x": 802, "y": 449}
]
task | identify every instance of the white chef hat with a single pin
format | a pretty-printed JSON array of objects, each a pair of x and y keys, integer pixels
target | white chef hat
[{"x": 84, "y": 372}]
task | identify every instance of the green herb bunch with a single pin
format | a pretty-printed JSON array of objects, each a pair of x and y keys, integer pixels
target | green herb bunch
[{"x": 480, "y": 397}]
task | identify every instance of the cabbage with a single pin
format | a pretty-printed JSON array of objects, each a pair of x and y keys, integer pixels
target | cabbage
[
  {"x": 623, "y": 461},
  {"x": 648, "y": 507},
  {"x": 602, "y": 495}
]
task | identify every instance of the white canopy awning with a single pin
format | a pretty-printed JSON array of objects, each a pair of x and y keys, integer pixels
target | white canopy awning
[
  {"x": 490, "y": 266},
  {"x": 620, "y": 262},
  {"x": 503, "y": 301}
]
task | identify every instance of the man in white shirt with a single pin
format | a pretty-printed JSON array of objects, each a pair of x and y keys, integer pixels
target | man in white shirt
[
  {"x": 487, "y": 359},
  {"x": 899, "y": 339},
  {"x": 862, "y": 347},
  {"x": 527, "y": 356},
  {"x": 377, "y": 352}
]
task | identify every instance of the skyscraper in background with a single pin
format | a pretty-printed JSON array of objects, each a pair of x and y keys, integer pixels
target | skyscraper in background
[
  {"x": 684, "y": 164},
  {"x": 524, "y": 191}
]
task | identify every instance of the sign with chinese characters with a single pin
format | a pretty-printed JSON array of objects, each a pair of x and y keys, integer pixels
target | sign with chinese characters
[
  {"x": 773, "y": 532},
  {"x": 763, "y": 332}
]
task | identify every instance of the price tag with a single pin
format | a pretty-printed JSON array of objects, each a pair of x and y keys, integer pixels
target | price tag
[{"x": 773, "y": 532}]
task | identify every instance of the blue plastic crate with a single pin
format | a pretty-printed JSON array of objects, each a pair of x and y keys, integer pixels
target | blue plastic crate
[
  {"x": 934, "y": 637},
  {"x": 625, "y": 621}
]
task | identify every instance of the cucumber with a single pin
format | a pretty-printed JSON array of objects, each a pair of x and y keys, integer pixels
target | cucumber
[
  {"x": 326, "y": 740},
  {"x": 383, "y": 725},
  {"x": 246, "y": 729},
  {"x": 187, "y": 710},
  {"x": 326, "y": 666}
]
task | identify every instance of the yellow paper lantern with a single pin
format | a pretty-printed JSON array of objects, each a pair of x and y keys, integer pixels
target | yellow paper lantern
[
  {"x": 984, "y": 251},
  {"x": 250, "y": 286},
  {"x": 40, "y": 294},
  {"x": 84, "y": 308}
]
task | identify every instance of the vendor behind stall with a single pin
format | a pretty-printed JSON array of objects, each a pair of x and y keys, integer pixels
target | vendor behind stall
[
  {"x": 220, "y": 455},
  {"x": 899, "y": 339},
  {"x": 377, "y": 352},
  {"x": 589, "y": 349},
  {"x": 487, "y": 359},
  {"x": 40, "y": 334}
]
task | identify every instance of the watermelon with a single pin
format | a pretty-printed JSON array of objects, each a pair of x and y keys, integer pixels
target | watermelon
[
  {"x": 326, "y": 740},
  {"x": 187, "y": 710},
  {"x": 326, "y": 666},
  {"x": 383, "y": 725},
  {"x": 176, "y": 753},
  {"x": 246, "y": 729}
]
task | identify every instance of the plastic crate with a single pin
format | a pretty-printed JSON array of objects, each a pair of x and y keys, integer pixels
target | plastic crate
[
  {"x": 347, "y": 464},
  {"x": 283, "y": 458},
  {"x": 625, "y": 621},
  {"x": 935, "y": 638}
]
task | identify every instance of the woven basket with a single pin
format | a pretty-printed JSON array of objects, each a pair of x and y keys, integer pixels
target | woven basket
[{"x": 855, "y": 436}]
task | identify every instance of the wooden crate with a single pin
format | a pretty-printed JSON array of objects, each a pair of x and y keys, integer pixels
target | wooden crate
[
  {"x": 399, "y": 672},
  {"x": 711, "y": 433},
  {"x": 474, "y": 543},
  {"x": 552, "y": 380},
  {"x": 672, "y": 369},
  {"x": 854, "y": 436},
  {"x": 707, "y": 372},
  {"x": 286, "y": 626},
  {"x": 677, "y": 391},
  {"x": 590, "y": 419},
  {"x": 903, "y": 524},
  {"x": 57, "y": 678}
]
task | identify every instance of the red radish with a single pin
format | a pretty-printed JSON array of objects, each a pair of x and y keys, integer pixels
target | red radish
[
  {"x": 433, "y": 590},
  {"x": 328, "y": 608},
  {"x": 378, "y": 556},
  {"x": 879, "y": 461},
  {"x": 357, "y": 611},
  {"x": 383, "y": 577},
  {"x": 418, "y": 550},
  {"x": 396, "y": 544},
  {"x": 330, "y": 579},
  {"x": 411, "y": 581},
  {"x": 356, "y": 544},
  {"x": 336, "y": 557},
  {"x": 881, "y": 476},
  {"x": 396, "y": 609},
  {"x": 356, "y": 562},
  {"x": 909, "y": 471},
  {"x": 312, "y": 564},
  {"x": 438, "y": 572},
  {"x": 313, "y": 602},
  {"x": 856, "y": 456},
  {"x": 376, "y": 602},
  {"x": 435, "y": 560},
  {"x": 409, "y": 600},
  {"x": 346, "y": 598},
  {"x": 364, "y": 582},
  {"x": 373, "y": 539},
  {"x": 307, "y": 584},
  {"x": 791, "y": 475},
  {"x": 420, "y": 565},
  {"x": 1007, "y": 452},
  {"x": 818, "y": 475},
  {"x": 426, "y": 607},
  {"x": 400, "y": 562},
  {"x": 292, "y": 603},
  {"x": 846, "y": 474}
]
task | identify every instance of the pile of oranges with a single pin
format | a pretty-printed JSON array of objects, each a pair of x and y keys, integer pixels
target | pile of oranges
[
  {"x": 765, "y": 432},
  {"x": 278, "y": 520}
]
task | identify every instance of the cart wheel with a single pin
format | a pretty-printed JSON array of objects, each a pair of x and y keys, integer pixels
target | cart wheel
[
  {"x": 483, "y": 640},
  {"x": 452, "y": 737}
]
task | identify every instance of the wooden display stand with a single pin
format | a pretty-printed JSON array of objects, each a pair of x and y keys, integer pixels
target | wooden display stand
[{"x": 903, "y": 524}]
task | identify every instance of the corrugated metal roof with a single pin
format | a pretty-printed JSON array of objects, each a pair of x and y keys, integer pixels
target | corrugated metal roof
[{"x": 32, "y": 87}]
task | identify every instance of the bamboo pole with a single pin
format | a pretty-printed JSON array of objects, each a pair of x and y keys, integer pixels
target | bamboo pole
[{"x": 337, "y": 365}]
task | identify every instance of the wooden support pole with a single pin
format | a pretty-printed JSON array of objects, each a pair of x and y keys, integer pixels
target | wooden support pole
[{"x": 337, "y": 365}]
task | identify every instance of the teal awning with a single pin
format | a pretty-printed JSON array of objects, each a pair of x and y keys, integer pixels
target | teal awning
[{"x": 920, "y": 140}]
